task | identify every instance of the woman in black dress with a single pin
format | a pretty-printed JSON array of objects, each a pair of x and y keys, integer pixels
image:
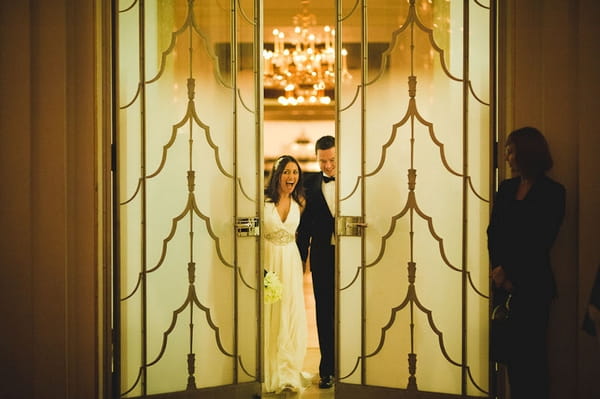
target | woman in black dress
[{"x": 526, "y": 217}]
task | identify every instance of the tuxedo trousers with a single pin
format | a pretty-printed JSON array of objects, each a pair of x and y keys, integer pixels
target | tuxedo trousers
[{"x": 322, "y": 264}]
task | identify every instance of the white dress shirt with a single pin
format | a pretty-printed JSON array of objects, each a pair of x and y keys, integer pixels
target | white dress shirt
[{"x": 329, "y": 194}]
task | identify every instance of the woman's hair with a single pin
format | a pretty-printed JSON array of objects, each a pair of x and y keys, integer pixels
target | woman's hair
[
  {"x": 532, "y": 155},
  {"x": 272, "y": 190}
]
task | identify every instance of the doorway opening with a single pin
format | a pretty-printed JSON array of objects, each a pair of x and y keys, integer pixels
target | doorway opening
[
  {"x": 299, "y": 43},
  {"x": 297, "y": 137}
]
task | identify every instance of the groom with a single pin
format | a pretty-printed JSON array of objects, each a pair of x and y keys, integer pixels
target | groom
[{"x": 316, "y": 230}]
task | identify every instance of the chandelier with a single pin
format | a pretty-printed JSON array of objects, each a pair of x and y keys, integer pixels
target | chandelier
[{"x": 301, "y": 67}]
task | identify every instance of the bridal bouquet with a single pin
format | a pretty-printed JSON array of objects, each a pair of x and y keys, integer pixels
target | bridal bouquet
[{"x": 273, "y": 287}]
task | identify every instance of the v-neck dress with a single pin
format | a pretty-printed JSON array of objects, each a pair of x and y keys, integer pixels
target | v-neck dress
[{"x": 285, "y": 320}]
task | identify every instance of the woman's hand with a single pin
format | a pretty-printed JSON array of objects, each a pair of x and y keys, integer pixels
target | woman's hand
[
  {"x": 498, "y": 276},
  {"x": 500, "y": 280}
]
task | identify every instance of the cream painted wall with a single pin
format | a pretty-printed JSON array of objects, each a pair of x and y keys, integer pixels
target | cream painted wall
[
  {"x": 48, "y": 246},
  {"x": 588, "y": 181},
  {"x": 280, "y": 138},
  {"x": 15, "y": 204},
  {"x": 552, "y": 66}
]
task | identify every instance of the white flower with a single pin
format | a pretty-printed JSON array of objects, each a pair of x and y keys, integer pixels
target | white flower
[{"x": 273, "y": 287}]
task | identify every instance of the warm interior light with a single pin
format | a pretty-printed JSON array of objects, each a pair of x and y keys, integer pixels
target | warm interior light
[{"x": 302, "y": 63}]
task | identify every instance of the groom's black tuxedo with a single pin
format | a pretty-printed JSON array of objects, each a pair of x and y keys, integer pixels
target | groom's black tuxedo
[{"x": 316, "y": 231}]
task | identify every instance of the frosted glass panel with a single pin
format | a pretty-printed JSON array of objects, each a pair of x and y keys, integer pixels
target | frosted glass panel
[
  {"x": 350, "y": 305},
  {"x": 189, "y": 151},
  {"x": 414, "y": 150}
]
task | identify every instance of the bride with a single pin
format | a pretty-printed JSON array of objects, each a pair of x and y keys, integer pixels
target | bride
[{"x": 285, "y": 319}]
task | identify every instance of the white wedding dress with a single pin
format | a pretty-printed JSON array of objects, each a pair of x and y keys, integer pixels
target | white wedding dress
[{"x": 285, "y": 320}]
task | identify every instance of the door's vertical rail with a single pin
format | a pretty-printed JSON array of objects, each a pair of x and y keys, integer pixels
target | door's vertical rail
[
  {"x": 364, "y": 52},
  {"x": 114, "y": 350},
  {"x": 258, "y": 109},
  {"x": 236, "y": 266},
  {"x": 493, "y": 153},
  {"x": 143, "y": 193},
  {"x": 191, "y": 384},
  {"x": 336, "y": 99},
  {"x": 465, "y": 190},
  {"x": 493, "y": 81},
  {"x": 411, "y": 385}
]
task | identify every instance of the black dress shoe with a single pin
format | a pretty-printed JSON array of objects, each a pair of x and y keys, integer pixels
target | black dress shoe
[{"x": 326, "y": 382}]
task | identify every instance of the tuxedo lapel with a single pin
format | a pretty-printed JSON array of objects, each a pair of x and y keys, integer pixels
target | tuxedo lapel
[{"x": 320, "y": 198}]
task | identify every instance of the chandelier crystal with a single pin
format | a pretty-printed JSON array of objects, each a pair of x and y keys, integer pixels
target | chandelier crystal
[{"x": 301, "y": 67}]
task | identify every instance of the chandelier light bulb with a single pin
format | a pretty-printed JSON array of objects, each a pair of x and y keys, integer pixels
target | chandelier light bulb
[{"x": 304, "y": 72}]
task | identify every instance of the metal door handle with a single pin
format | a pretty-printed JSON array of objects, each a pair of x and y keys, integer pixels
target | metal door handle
[
  {"x": 359, "y": 224},
  {"x": 247, "y": 227},
  {"x": 350, "y": 226}
]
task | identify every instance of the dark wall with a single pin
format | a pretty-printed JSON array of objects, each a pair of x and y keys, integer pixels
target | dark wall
[{"x": 549, "y": 66}]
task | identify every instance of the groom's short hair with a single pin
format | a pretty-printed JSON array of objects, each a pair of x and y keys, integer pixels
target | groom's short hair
[{"x": 325, "y": 143}]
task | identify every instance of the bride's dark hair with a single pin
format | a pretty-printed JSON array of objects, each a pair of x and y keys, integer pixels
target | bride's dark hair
[{"x": 272, "y": 190}]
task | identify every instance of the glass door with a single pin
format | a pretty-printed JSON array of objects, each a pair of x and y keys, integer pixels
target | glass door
[
  {"x": 188, "y": 198},
  {"x": 412, "y": 107},
  {"x": 415, "y": 138}
]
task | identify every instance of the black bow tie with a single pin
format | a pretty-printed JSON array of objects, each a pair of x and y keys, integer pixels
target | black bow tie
[{"x": 327, "y": 179}]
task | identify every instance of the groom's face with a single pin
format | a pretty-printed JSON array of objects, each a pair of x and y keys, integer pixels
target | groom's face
[{"x": 326, "y": 159}]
